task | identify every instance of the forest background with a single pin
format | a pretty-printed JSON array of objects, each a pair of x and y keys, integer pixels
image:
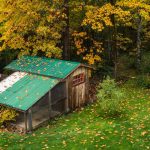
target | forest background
[{"x": 111, "y": 35}]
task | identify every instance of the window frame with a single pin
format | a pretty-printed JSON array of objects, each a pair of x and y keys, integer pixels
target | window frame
[{"x": 78, "y": 79}]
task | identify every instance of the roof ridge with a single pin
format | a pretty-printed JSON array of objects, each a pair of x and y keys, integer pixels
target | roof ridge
[{"x": 42, "y": 66}]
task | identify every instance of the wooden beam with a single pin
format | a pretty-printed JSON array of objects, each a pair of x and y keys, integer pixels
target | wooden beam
[
  {"x": 87, "y": 88},
  {"x": 25, "y": 121},
  {"x": 50, "y": 104},
  {"x": 30, "y": 119},
  {"x": 67, "y": 98}
]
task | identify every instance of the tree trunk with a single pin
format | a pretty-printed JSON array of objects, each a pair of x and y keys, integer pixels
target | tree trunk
[
  {"x": 114, "y": 43},
  {"x": 66, "y": 35},
  {"x": 139, "y": 55}
]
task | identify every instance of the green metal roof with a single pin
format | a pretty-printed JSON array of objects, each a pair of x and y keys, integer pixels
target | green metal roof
[
  {"x": 27, "y": 91},
  {"x": 44, "y": 66}
]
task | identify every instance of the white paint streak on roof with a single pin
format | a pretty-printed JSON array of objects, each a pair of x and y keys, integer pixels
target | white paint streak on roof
[{"x": 11, "y": 80}]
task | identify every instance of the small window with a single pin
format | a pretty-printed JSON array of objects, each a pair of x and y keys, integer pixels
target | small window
[{"x": 78, "y": 79}]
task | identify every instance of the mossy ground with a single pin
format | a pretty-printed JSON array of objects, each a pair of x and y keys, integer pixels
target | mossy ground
[{"x": 86, "y": 129}]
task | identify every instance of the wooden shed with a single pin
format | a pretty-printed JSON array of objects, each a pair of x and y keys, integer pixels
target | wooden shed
[{"x": 42, "y": 88}]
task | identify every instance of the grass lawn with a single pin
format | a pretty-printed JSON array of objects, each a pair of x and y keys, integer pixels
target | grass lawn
[{"x": 86, "y": 129}]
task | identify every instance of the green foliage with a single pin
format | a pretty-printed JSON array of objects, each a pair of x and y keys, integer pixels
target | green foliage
[
  {"x": 110, "y": 97},
  {"x": 6, "y": 114},
  {"x": 143, "y": 81},
  {"x": 145, "y": 63},
  {"x": 127, "y": 62}
]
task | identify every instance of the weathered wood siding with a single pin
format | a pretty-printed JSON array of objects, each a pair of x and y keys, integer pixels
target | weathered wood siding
[{"x": 78, "y": 95}]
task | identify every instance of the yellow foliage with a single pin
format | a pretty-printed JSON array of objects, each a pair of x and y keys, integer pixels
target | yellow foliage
[
  {"x": 31, "y": 26},
  {"x": 100, "y": 17},
  {"x": 91, "y": 52},
  {"x": 125, "y": 12},
  {"x": 136, "y": 7},
  {"x": 7, "y": 114},
  {"x": 91, "y": 58}
]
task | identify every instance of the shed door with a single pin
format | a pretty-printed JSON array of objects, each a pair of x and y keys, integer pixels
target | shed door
[
  {"x": 78, "y": 95},
  {"x": 78, "y": 90}
]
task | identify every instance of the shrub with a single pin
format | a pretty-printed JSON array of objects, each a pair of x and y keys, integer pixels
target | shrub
[
  {"x": 145, "y": 63},
  {"x": 143, "y": 81},
  {"x": 110, "y": 98},
  {"x": 6, "y": 114}
]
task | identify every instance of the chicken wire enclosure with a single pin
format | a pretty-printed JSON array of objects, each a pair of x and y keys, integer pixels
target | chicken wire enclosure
[
  {"x": 58, "y": 98},
  {"x": 40, "y": 112},
  {"x": 34, "y": 117},
  {"x": 19, "y": 122},
  {"x": 49, "y": 106}
]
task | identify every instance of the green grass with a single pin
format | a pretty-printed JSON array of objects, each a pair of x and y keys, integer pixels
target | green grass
[{"x": 86, "y": 129}]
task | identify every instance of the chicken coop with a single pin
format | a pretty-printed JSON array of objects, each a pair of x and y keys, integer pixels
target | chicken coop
[{"x": 41, "y": 88}]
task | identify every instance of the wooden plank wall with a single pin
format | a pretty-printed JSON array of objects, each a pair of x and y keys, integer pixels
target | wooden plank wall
[{"x": 78, "y": 95}]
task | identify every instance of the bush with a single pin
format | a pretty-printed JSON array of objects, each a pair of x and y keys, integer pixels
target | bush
[
  {"x": 143, "y": 81},
  {"x": 6, "y": 114},
  {"x": 110, "y": 98},
  {"x": 145, "y": 63}
]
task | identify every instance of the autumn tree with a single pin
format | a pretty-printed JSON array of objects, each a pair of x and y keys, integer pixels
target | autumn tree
[
  {"x": 139, "y": 18},
  {"x": 32, "y": 27},
  {"x": 119, "y": 14},
  {"x": 66, "y": 31},
  {"x": 107, "y": 17},
  {"x": 87, "y": 46},
  {"x": 81, "y": 30}
]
